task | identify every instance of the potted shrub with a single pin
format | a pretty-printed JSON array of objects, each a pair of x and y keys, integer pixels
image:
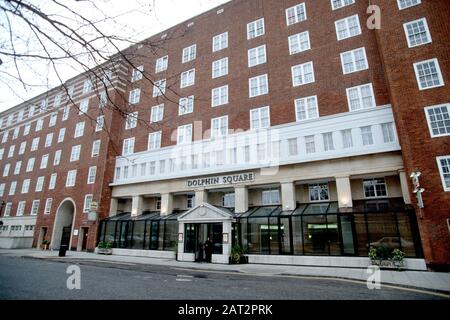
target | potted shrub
[
  {"x": 384, "y": 257},
  {"x": 104, "y": 247},
  {"x": 238, "y": 255},
  {"x": 45, "y": 244},
  {"x": 397, "y": 257}
]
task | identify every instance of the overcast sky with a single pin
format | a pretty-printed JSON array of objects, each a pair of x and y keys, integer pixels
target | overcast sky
[{"x": 138, "y": 18}]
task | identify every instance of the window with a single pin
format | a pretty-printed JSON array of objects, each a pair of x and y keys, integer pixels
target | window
[
  {"x": 44, "y": 105},
  {"x": 6, "y": 169},
  {"x": 2, "y": 151},
  {"x": 154, "y": 140},
  {"x": 48, "y": 205},
  {"x": 20, "y": 208},
  {"x": 30, "y": 165},
  {"x": 347, "y": 139},
  {"x": 292, "y": 147},
  {"x": 361, "y": 97},
  {"x": 135, "y": 96},
  {"x": 403, "y": 4},
  {"x": 15, "y": 133},
  {"x": 48, "y": 140},
  {"x": 53, "y": 118},
  {"x": 162, "y": 64},
  {"x": 260, "y": 118},
  {"x": 255, "y": 29},
  {"x": 258, "y": 85},
  {"x": 261, "y": 151},
  {"x": 302, "y": 74},
  {"x": 12, "y": 188},
  {"x": 310, "y": 143},
  {"x": 2, "y": 189},
  {"x": 128, "y": 146},
  {"x": 8, "y": 210},
  {"x": 79, "y": 129},
  {"x": 99, "y": 123},
  {"x": 296, "y": 14},
  {"x": 187, "y": 78},
  {"x": 26, "y": 129},
  {"x": 348, "y": 27},
  {"x": 87, "y": 203},
  {"x": 220, "y": 68},
  {"x": 162, "y": 166},
  {"x": 26, "y": 185},
  {"x": 228, "y": 200},
  {"x": 137, "y": 73},
  {"x": 144, "y": 168},
  {"x": 428, "y": 74},
  {"x": 70, "y": 92},
  {"x": 62, "y": 133},
  {"x": 186, "y": 105},
  {"x": 66, "y": 112},
  {"x": 417, "y": 32},
  {"x": 189, "y": 53},
  {"x": 5, "y": 136},
  {"x": 219, "y": 127},
  {"x": 219, "y": 96},
  {"x": 299, "y": 42},
  {"x": 157, "y": 113},
  {"x": 17, "y": 167},
  {"x": 318, "y": 192},
  {"x": 103, "y": 99},
  {"x": 366, "y": 134},
  {"x": 52, "y": 183},
  {"x": 354, "y": 60},
  {"x": 39, "y": 184},
  {"x": 374, "y": 188},
  {"x": 75, "y": 154},
  {"x": 131, "y": 121},
  {"x": 337, "y": 4},
  {"x": 206, "y": 158},
  {"x": 220, "y": 42},
  {"x": 444, "y": 170},
  {"x": 306, "y": 108},
  {"x": 388, "y": 132},
  {"x": 95, "y": 148},
  {"x": 257, "y": 56},
  {"x": 328, "y": 141},
  {"x": 438, "y": 119},
  {"x": 190, "y": 201},
  {"x": 11, "y": 151},
  {"x": 184, "y": 134},
  {"x": 84, "y": 105},
  {"x": 35, "y": 207},
  {"x": 39, "y": 125},
  {"x": 71, "y": 178},
  {"x": 87, "y": 86},
  {"x": 91, "y": 175},
  {"x": 270, "y": 197},
  {"x": 57, "y": 159},
  {"x": 44, "y": 161}
]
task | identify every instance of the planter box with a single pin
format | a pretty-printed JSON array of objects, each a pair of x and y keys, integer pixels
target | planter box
[
  {"x": 242, "y": 260},
  {"x": 387, "y": 264},
  {"x": 104, "y": 251}
]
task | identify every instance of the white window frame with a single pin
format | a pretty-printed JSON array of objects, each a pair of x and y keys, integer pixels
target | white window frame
[
  {"x": 95, "y": 148},
  {"x": 347, "y": 28},
  {"x": 184, "y": 134},
  {"x": 128, "y": 146},
  {"x": 299, "y": 80},
  {"x": 157, "y": 113},
  {"x": 219, "y": 43},
  {"x": 53, "y": 119},
  {"x": 48, "y": 140},
  {"x": 298, "y": 40},
  {"x": 259, "y": 119},
  {"x": 161, "y": 64},
  {"x": 439, "y": 74},
  {"x": 257, "y": 56},
  {"x": 443, "y": 120},
  {"x": 79, "y": 130},
  {"x": 253, "y": 31},
  {"x": 154, "y": 140},
  {"x": 342, "y": 4},
  {"x": 35, "y": 207},
  {"x": 99, "y": 123},
  {"x": 219, "y": 68},
  {"x": 39, "y": 184},
  {"x": 159, "y": 88},
  {"x": 402, "y": 7},
  {"x": 441, "y": 171},
  {"x": 222, "y": 127},
  {"x": 92, "y": 173},
  {"x": 189, "y": 53},
  {"x": 219, "y": 96},
  {"x": 48, "y": 206},
  {"x": 352, "y": 54},
  {"x": 87, "y": 86},
  {"x": 52, "y": 183},
  {"x": 267, "y": 197},
  {"x": 25, "y": 186},
  {"x": 30, "y": 165},
  {"x": 374, "y": 184},
  {"x": 57, "y": 158},
  {"x": 318, "y": 188},
  {"x": 39, "y": 125},
  {"x": 261, "y": 88},
  {"x": 187, "y": 78},
  {"x": 71, "y": 178},
  {"x": 87, "y": 203},
  {"x": 304, "y": 102},
  {"x": 44, "y": 161},
  {"x": 61, "y": 135},
  {"x": 298, "y": 9},
  {"x": 17, "y": 167},
  {"x": 132, "y": 120},
  {"x": 75, "y": 153},
  {"x": 135, "y": 96},
  {"x": 137, "y": 73},
  {"x": 388, "y": 132},
  {"x": 360, "y": 98},
  {"x": 408, "y": 36},
  {"x": 84, "y": 106},
  {"x": 20, "y": 208},
  {"x": 367, "y": 135},
  {"x": 186, "y": 105}
]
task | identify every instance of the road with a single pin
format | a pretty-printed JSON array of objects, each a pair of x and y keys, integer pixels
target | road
[{"x": 29, "y": 279}]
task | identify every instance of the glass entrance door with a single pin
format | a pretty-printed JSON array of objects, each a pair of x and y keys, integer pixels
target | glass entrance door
[{"x": 196, "y": 236}]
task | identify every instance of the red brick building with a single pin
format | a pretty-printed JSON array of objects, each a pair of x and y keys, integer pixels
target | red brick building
[{"x": 303, "y": 86}]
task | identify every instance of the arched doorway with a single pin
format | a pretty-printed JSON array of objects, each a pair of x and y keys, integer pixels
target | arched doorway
[{"x": 62, "y": 229}]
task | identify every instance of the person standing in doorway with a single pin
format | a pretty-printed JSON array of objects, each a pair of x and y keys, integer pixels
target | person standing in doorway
[{"x": 208, "y": 250}]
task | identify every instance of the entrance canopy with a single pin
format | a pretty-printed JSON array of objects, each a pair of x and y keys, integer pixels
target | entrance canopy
[{"x": 205, "y": 213}]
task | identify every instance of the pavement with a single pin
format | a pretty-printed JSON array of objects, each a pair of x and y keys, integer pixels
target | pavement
[{"x": 429, "y": 280}]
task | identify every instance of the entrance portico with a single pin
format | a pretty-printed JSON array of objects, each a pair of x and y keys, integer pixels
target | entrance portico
[{"x": 200, "y": 222}]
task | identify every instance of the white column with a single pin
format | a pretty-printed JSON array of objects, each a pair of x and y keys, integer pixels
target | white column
[
  {"x": 404, "y": 186},
  {"x": 113, "y": 207},
  {"x": 201, "y": 196},
  {"x": 166, "y": 204},
  {"x": 344, "y": 192},
  {"x": 180, "y": 243},
  {"x": 288, "y": 199},
  {"x": 241, "y": 199},
  {"x": 136, "y": 206},
  {"x": 226, "y": 247}
]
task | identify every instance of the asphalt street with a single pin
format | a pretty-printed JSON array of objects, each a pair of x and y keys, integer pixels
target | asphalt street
[{"x": 30, "y": 279}]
